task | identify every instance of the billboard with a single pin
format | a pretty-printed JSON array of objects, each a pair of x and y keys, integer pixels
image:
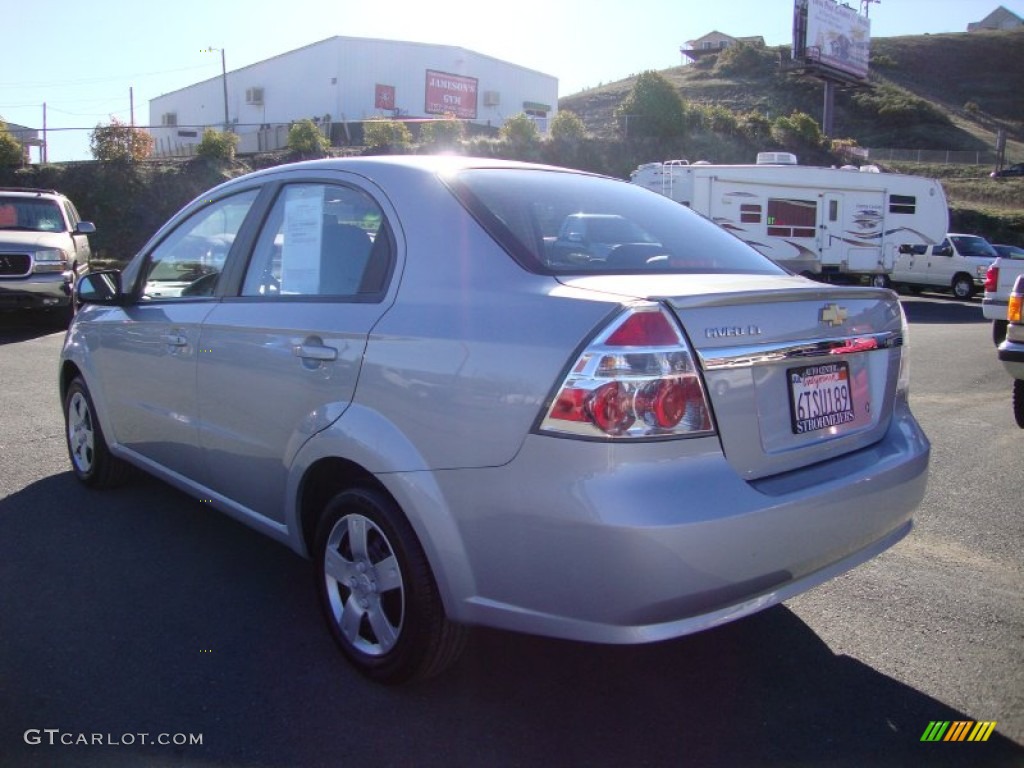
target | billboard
[
  {"x": 832, "y": 37},
  {"x": 451, "y": 94}
]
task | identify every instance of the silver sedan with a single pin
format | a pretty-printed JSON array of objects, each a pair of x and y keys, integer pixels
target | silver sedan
[{"x": 396, "y": 367}]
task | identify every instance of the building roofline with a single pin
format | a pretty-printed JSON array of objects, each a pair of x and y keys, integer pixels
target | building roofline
[{"x": 343, "y": 38}]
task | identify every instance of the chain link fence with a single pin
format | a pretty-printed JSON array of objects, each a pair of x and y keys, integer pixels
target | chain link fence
[{"x": 937, "y": 156}]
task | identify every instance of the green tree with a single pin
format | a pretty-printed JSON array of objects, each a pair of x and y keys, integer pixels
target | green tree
[
  {"x": 520, "y": 131},
  {"x": 119, "y": 142},
  {"x": 381, "y": 133},
  {"x": 306, "y": 139},
  {"x": 218, "y": 146},
  {"x": 11, "y": 152},
  {"x": 653, "y": 108},
  {"x": 567, "y": 126},
  {"x": 445, "y": 133}
]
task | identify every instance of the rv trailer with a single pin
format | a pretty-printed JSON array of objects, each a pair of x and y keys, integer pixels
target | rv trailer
[{"x": 826, "y": 223}]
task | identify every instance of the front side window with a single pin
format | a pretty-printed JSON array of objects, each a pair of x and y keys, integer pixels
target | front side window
[
  {"x": 188, "y": 262},
  {"x": 320, "y": 240},
  {"x": 556, "y": 222}
]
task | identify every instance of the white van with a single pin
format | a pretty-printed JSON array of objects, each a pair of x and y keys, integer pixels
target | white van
[{"x": 957, "y": 264}]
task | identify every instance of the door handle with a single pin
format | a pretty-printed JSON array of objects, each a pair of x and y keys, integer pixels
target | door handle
[
  {"x": 315, "y": 352},
  {"x": 174, "y": 340}
]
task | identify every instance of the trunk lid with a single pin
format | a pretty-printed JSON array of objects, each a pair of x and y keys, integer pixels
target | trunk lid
[{"x": 797, "y": 372}]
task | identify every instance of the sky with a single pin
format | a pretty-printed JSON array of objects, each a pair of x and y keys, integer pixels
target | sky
[{"x": 84, "y": 64}]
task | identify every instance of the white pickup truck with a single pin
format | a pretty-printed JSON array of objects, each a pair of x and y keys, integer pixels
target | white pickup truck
[{"x": 999, "y": 280}]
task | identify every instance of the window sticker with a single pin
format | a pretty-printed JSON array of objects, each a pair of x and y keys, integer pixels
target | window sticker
[{"x": 303, "y": 233}]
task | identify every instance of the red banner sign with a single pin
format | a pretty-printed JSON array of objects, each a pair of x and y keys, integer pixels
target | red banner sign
[{"x": 451, "y": 94}]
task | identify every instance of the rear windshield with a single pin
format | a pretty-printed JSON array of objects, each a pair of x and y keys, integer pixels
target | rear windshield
[{"x": 556, "y": 222}]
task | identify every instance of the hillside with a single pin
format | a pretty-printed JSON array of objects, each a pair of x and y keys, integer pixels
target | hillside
[{"x": 945, "y": 92}]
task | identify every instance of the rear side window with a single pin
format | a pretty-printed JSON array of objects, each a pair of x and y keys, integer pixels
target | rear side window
[
  {"x": 321, "y": 240},
  {"x": 555, "y": 222}
]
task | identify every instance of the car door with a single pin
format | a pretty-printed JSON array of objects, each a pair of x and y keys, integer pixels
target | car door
[
  {"x": 280, "y": 360},
  {"x": 150, "y": 347},
  {"x": 937, "y": 269}
]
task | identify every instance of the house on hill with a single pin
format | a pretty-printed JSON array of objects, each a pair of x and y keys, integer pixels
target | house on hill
[
  {"x": 713, "y": 42},
  {"x": 1000, "y": 18}
]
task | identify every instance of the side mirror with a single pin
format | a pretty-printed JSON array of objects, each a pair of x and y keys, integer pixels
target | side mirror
[
  {"x": 906, "y": 248},
  {"x": 100, "y": 288},
  {"x": 947, "y": 251},
  {"x": 85, "y": 228}
]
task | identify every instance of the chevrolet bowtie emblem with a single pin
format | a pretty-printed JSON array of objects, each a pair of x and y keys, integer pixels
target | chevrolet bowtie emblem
[{"x": 832, "y": 315}]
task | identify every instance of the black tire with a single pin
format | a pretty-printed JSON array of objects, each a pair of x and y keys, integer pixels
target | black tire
[
  {"x": 91, "y": 459},
  {"x": 1018, "y": 402},
  {"x": 879, "y": 281},
  {"x": 963, "y": 287},
  {"x": 998, "y": 331},
  {"x": 377, "y": 591}
]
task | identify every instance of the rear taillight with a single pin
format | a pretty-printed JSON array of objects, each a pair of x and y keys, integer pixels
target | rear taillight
[
  {"x": 636, "y": 379},
  {"x": 992, "y": 278}
]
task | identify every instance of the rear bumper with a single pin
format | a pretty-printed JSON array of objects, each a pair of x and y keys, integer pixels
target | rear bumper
[
  {"x": 994, "y": 309},
  {"x": 1011, "y": 355},
  {"x": 35, "y": 291},
  {"x": 639, "y": 543}
]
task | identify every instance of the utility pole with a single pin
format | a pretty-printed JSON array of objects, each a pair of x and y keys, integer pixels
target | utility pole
[
  {"x": 45, "y": 153},
  {"x": 131, "y": 104},
  {"x": 224, "y": 81},
  {"x": 866, "y": 5}
]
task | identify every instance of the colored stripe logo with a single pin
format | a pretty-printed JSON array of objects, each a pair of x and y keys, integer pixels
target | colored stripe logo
[{"x": 958, "y": 730}]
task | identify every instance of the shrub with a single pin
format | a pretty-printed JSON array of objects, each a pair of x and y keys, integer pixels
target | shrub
[
  {"x": 118, "y": 142},
  {"x": 744, "y": 59},
  {"x": 381, "y": 133},
  {"x": 653, "y": 108},
  {"x": 567, "y": 126},
  {"x": 755, "y": 126},
  {"x": 306, "y": 140},
  {"x": 520, "y": 131},
  {"x": 797, "y": 130},
  {"x": 448, "y": 132},
  {"x": 218, "y": 146}
]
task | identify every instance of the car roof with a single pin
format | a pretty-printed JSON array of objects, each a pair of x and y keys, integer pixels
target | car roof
[{"x": 30, "y": 192}]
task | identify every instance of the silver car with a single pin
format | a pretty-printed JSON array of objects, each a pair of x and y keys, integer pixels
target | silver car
[{"x": 390, "y": 366}]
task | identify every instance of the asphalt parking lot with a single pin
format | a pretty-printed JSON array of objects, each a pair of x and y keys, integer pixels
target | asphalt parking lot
[{"x": 139, "y": 614}]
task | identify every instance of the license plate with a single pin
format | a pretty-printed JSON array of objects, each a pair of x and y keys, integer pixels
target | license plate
[{"x": 819, "y": 397}]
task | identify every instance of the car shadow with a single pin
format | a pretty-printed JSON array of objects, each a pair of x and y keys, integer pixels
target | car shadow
[
  {"x": 935, "y": 310},
  {"x": 141, "y": 611},
  {"x": 22, "y": 326}
]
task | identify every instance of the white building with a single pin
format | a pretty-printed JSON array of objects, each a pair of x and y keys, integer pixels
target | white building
[{"x": 349, "y": 79}]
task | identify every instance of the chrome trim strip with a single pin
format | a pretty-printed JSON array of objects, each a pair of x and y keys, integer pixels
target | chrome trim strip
[{"x": 762, "y": 354}]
